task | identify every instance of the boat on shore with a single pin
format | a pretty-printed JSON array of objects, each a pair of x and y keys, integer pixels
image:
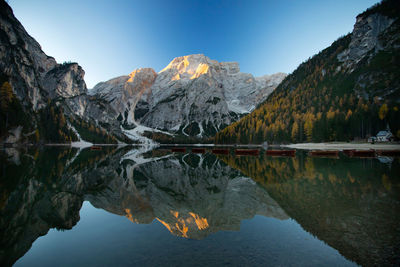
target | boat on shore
[
  {"x": 220, "y": 151},
  {"x": 388, "y": 153},
  {"x": 324, "y": 153},
  {"x": 95, "y": 148},
  {"x": 199, "y": 150},
  {"x": 348, "y": 152},
  {"x": 247, "y": 152},
  {"x": 178, "y": 149},
  {"x": 281, "y": 153},
  {"x": 363, "y": 153}
]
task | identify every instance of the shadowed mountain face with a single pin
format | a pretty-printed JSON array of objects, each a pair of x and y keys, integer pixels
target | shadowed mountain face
[
  {"x": 192, "y": 196},
  {"x": 351, "y": 204}
]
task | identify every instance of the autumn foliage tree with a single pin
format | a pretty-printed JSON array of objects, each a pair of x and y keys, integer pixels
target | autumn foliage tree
[{"x": 6, "y": 97}]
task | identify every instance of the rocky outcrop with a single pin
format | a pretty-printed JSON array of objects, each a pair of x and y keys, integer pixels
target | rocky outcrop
[
  {"x": 65, "y": 80},
  {"x": 193, "y": 95},
  {"x": 124, "y": 92},
  {"x": 365, "y": 38},
  {"x": 372, "y": 53}
]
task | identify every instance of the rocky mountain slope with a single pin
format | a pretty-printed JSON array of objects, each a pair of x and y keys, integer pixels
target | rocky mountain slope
[
  {"x": 348, "y": 91},
  {"x": 34, "y": 76},
  {"x": 28, "y": 69},
  {"x": 193, "y": 95},
  {"x": 38, "y": 95}
]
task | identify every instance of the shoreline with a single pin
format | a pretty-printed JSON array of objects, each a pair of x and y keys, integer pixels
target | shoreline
[
  {"x": 343, "y": 146},
  {"x": 303, "y": 146}
]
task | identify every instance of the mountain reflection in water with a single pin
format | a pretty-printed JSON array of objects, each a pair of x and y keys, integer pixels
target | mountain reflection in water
[{"x": 351, "y": 204}]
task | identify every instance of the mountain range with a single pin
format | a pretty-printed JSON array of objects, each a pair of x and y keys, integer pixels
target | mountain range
[
  {"x": 193, "y": 96},
  {"x": 349, "y": 90}
]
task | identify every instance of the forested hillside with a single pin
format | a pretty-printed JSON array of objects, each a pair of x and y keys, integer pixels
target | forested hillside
[{"x": 350, "y": 90}]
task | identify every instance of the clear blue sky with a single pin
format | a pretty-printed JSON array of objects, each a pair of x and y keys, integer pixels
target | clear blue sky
[{"x": 112, "y": 38}]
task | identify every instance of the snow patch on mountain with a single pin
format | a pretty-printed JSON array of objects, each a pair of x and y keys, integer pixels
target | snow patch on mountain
[{"x": 136, "y": 134}]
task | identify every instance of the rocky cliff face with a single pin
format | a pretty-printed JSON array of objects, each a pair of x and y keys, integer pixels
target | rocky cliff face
[
  {"x": 37, "y": 80},
  {"x": 124, "y": 92},
  {"x": 193, "y": 95},
  {"x": 375, "y": 38},
  {"x": 65, "y": 80},
  {"x": 365, "y": 38},
  {"x": 34, "y": 76}
]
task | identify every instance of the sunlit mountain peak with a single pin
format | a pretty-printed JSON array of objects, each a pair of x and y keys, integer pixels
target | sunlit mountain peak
[{"x": 193, "y": 66}]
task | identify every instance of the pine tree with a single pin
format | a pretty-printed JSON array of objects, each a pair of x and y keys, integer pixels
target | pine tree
[
  {"x": 295, "y": 131},
  {"x": 37, "y": 136},
  {"x": 383, "y": 111}
]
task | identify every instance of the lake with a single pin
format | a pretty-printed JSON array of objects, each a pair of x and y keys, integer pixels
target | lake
[{"x": 120, "y": 206}]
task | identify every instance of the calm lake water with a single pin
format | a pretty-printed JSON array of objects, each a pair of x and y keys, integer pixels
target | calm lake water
[{"x": 128, "y": 206}]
